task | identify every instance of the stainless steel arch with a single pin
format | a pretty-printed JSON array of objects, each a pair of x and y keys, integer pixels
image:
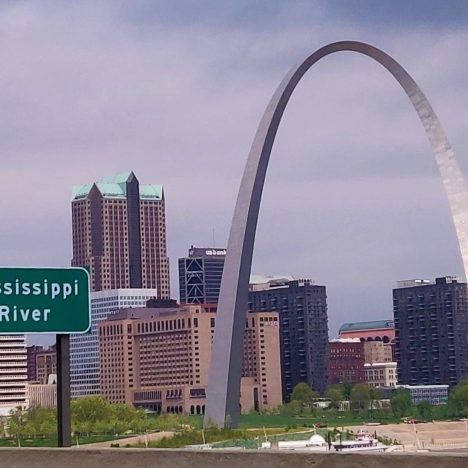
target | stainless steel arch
[{"x": 224, "y": 384}]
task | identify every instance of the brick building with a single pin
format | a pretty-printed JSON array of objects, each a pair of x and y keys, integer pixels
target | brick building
[
  {"x": 346, "y": 361},
  {"x": 42, "y": 362}
]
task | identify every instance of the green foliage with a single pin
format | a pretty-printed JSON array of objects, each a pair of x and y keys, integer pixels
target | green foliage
[
  {"x": 346, "y": 389},
  {"x": 459, "y": 398},
  {"x": 303, "y": 394},
  {"x": 401, "y": 402},
  {"x": 335, "y": 395},
  {"x": 360, "y": 397},
  {"x": 424, "y": 409}
]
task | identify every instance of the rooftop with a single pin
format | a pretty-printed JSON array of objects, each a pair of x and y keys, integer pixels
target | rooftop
[
  {"x": 115, "y": 186},
  {"x": 371, "y": 325}
]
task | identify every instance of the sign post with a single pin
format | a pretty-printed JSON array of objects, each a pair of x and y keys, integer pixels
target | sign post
[
  {"x": 48, "y": 300},
  {"x": 63, "y": 391}
]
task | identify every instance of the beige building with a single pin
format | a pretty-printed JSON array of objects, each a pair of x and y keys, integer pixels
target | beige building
[
  {"x": 43, "y": 395},
  {"x": 159, "y": 358},
  {"x": 381, "y": 374},
  {"x": 119, "y": 234},
  {"x": 377, "y": 351}
]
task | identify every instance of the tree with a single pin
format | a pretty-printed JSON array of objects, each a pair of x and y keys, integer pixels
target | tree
[
  {"x": 374, "y": 395},
  {"x": 424, "y": 409},
  {"x": 359, "y": 398},
  {"x": 401, "y": 402},
  {"x": 335, "y": 395},
  {"x": 459, "y": 398},
  {"x": 293, "y": 408},
  {"x": 91, "y": 409},
  {"x": 17, "y": 424},
  {"x": 346, "y": 389},
  {"x": 303, "y": 394}
]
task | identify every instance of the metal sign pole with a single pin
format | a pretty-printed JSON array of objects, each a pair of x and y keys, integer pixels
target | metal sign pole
[{"x": 63, "y": 391}]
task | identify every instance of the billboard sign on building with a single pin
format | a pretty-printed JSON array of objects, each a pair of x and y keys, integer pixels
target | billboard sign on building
[{"x": 44, "y": 300}]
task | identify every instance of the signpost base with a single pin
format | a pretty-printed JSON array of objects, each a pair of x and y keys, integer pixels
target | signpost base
[{"x": 63, "y": 391}]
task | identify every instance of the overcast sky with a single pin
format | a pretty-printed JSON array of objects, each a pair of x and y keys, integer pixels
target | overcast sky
[{"x": 174, "y": 91}]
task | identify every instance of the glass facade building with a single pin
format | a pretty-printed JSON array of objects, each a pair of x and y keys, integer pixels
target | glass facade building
[
  {"x": 84, "y": 349},
  {"x": 200, "y": 275}
]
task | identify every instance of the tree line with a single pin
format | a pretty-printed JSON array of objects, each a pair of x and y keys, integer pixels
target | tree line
[
  {"x": 91, "y": 415},
  {"x": 365, "y": 400}
]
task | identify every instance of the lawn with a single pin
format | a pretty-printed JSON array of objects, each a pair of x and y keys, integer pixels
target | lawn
[
  {"x": 254, "y": 420},
  {"x": 52, "y": 441}
]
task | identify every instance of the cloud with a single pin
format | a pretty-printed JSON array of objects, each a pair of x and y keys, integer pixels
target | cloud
[{"x": 94, "y": 88}]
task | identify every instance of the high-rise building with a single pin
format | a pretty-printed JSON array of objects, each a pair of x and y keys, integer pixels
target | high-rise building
[
  {"x": 159, "y": 357},
  {"x": 200, "y": 275},
  {"x": 431, "y": 328},
  {"x": 42, "y": 362},
  {"x": 84, "y": 349},
  {"x": 302, "y": 309},
  {"x": 346, "y": 362},
  {"x": 119, "y": 234},
  {"x": 13, "y": 373}
]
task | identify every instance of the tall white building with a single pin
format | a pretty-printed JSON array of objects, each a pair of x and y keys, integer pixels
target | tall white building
[
  {"x": 13, "y": 373},
  {"x": 84, "y": 349}
]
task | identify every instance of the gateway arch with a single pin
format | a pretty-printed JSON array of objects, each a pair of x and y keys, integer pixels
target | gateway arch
[{"x": 224, "y": 383}]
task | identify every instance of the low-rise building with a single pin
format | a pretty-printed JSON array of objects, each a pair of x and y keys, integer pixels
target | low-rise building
[
  {"x": 381, "y": 374},
  {"x": 434, "y": 394},
  {"x": 346, "y": 361},
  {"x": 44, "y": 395}
]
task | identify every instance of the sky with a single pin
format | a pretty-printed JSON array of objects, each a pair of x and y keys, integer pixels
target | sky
[{"x": 174, "y": 90}]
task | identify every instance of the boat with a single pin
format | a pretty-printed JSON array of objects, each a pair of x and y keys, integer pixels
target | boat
[{"x": 364, "y": 442}]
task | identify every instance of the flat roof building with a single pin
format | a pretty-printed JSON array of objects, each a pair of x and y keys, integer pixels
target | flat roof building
[
  {"x": 431, "y": 325},
  {"x": 84, "y": 348},
  {"x": 159, "y": 358},
  {"x": 13, "y": 373},
  {"x": 346, "y": 361},
  {"x": 302, "y": 310},
  {"x": 200, "y": 275}
]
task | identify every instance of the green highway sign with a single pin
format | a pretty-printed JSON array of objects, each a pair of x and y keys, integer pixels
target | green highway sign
[{"x": 44, "y": 300}]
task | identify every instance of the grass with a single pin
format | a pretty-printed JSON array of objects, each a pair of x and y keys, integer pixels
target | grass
[
  {"x": 52, "y": 441},
  {"x": 254, "y": 420}
]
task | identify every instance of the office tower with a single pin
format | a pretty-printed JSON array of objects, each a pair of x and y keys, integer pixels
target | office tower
[
  {"x": 431, "y": 328},
  {"x": 200, "y": 275},
  {"x": 119, "y": 234},
  {"x": 302, "y": 309},
  {"x": 13, "y": 373},
  {"x": 84, "y": 349},
  {"x": 42, "y": 362},
  {"x": 346, "y": 361},
  {"x": 159, "y": 357}
]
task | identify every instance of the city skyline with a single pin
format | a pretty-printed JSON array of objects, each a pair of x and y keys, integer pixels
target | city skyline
[{"x": 368, "y": 228}]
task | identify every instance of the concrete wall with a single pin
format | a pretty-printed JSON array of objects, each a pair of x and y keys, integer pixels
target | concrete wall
[{"x": 139, "y": 458}]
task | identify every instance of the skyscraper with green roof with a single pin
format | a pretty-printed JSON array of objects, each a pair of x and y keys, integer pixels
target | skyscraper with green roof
[{"x": 119, "y": 234}]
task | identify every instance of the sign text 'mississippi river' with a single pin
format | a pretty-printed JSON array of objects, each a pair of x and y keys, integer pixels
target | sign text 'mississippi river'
[{"x": 44, "y": 300}]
